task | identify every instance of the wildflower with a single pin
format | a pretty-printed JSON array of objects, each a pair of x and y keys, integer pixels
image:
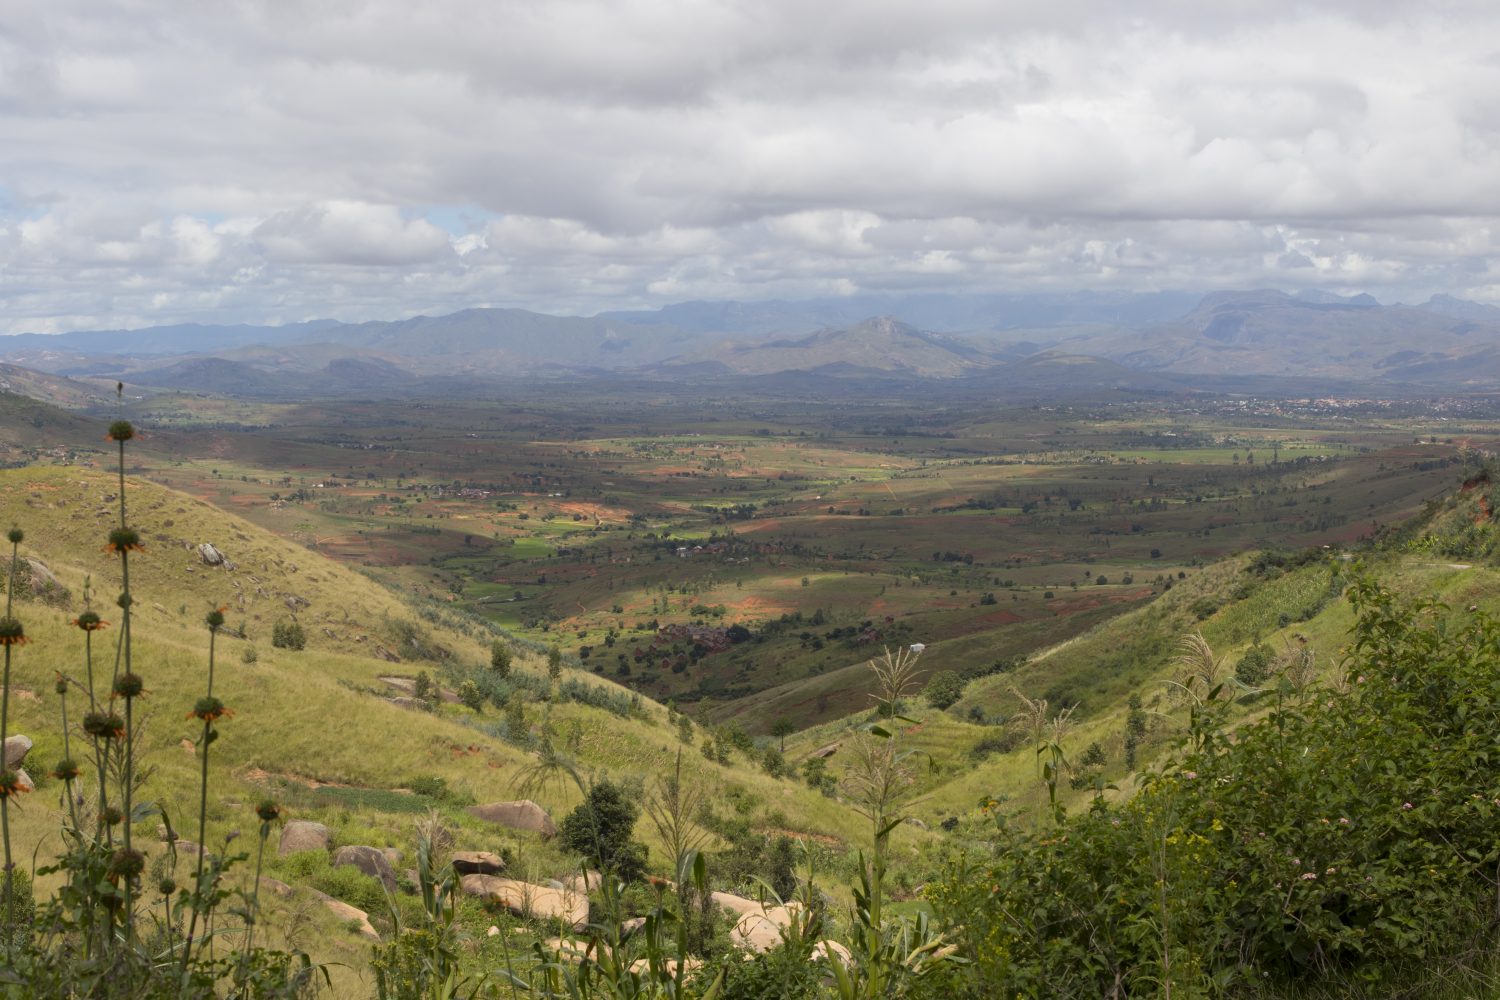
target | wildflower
[
  {"x": 104, "y": 726},
  {"x": 268, "y": 811},
  {"x": 90, "y": 622},
  {"x": 12, "y": 633},
  {"x": 124, "y": 540},
  {"x": 128, "y": 686},
  {"x": 126, "y": 863},
  {"x": 1309, "y": 876},
  {"x": 60, "y": 686},
  {"x": 166, "y": 887},
  {"x": 66, "y": 769},
  {"x": 111, "y": 816},
  {"x": 215, "y": 618},
  {"x": 11, "y": 784},
  {"x": 1343, "y": 821},
  {"x": 121, "y": 430},
  {"x": 209, "y": 709},
  {"x": 1406, "y": 805},
  {"x": 15, "y": 536},
  {"x": 1190, "y": 775}
]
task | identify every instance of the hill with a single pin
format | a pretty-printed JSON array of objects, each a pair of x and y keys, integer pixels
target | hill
[
  {"x": 317, "y": 727},
  {"x": 882, "y": 345}
]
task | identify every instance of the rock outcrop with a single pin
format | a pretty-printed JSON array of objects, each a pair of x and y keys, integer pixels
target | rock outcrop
[{"x": 523, "y": 815}]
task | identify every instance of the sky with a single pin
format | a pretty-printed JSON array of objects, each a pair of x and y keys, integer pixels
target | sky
[{"x": 271, "y": 162}]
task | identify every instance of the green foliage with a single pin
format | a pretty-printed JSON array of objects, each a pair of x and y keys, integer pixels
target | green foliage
[
  {"x": 1254, "y": 667},
  {"x": 288, "y": 635},
  {"x": 1349, "y": 834},
  {"x": 943, "y": 689},
  {"x": 600, "y": 829},
  {"x": 500, "y": 658}
]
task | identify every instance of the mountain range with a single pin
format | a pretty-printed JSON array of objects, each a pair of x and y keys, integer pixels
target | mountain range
[{"x": 1088, "y": 340}]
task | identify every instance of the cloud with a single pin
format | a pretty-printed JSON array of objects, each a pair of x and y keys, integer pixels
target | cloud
[{"x": 280, "y": 160}]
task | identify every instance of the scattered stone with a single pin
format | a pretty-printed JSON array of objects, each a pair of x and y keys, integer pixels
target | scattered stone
[
  {"x": 492, "y": 932},
  {"x": 412, "y": 704},
  {"x": 526, "y": 900},
  {"x": 353, "y": 914},
  {"x": 303, "y": 835},
  {"x": 275, "y": 886},
  {"x": 629, "y": 927},
  {"x": 23, "y": 780},
  {"x": 381, "y": 653},
  {"x": 521, "y": 815},
  {"x": 370, "y": 860},
  {"x": 190, "y": 747},
  {"x": 16, "y": 749},
  {"x": 478, "y": 863},
  {"x": 210, "y": 555},
  {"x": 643, "y": 965},
  {"x": 825, "y": 751}
]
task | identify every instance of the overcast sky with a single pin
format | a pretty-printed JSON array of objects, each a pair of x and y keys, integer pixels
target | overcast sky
[{"x": 277, "y": 161}]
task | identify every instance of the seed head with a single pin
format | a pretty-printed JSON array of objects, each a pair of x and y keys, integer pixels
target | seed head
[
  {"x": 104, "y": 726},
  {"x": 11, "y": 784},
  {"x": 126, "y": 863},
  {"x": 124, "y": 540},
  {"x": 209, "y": 709},
  {"x": 66, "y": 769},
  {"x": 15, "y": 536},
  {"x": 12, "y": 633},
  {"x": 215, "y": 619},
  {"x": 166, "y": 887},
  {"x": 90, "y": 622},
  {"x": 268, "y": 811},
  {"x": 60, "y": 685},
  {"x": 128, "y": 686}
]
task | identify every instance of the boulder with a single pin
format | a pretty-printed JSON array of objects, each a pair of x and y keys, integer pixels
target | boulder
[
  {"x": 641, "y": 966},
  {"x": 370, "y": 860},
  {"x": 23, "y": 780},
  {"x": 522, "y": 815},
  {"x": 353, "y": 914},
  {"x": 831, "y": 951},
  {"x": 526, "y": 900},
  {"x": 588, "y": 882},
  {"x": 392, "y": 854},
  {"x": 761, "y": 931},
  {"x": 825, "y": 751},
  {"x": 44, "y": 586},
  {"x": 275, "y": 887},
  {"x": 302, "y": 835},
  {"x": 738, "y": 905},
  {"x": 210, "y": 555},
  {"x": 16, "y": 749},
  {"x": 478, "y": 863}
]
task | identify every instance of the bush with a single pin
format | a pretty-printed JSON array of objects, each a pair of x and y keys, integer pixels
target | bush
[
  {"x": 600, "y": 829},
  {"x": 943, "y": 689},
  {"x": 288, "y": 635},
  {"x": 1345, "y": 838}
]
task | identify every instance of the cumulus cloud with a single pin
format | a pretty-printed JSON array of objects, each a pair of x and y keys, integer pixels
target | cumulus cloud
[{"x": 275, "y": 160}]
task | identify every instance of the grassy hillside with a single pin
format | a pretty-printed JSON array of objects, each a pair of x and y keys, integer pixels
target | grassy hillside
[{"x": 314, "y": 727}]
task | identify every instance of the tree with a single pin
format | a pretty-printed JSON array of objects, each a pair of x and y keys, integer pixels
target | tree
[
  {"x": 500, "y": 657},
  {"x": 554, "y": 662},
  {"x": 943, "y": 689},
  {"x": 781, "y": 729},
  {"x": 600, "y": 829},
  {"x": 1255, "y": 666}
]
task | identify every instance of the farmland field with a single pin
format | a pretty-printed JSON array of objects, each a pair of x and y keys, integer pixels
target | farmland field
[{"x": 738, "y": 556}]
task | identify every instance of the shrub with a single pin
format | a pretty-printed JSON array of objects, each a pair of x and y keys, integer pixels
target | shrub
[
  {"x": 943, "y": 689},
  {"x": 600, "y": 829},
  {"x": 288, "y": 635}
]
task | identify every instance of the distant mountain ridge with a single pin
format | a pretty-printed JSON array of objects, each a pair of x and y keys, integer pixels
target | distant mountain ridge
[{"x": 1256, "y": 333}]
